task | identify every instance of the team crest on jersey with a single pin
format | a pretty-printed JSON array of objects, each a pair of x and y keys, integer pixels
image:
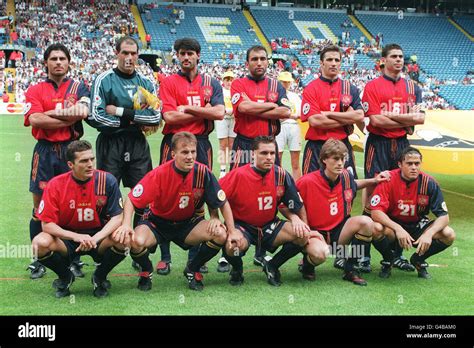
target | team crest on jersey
[
  {"x": 423, "y": 200},
  {"x": 280, "y": 191},
  {"x": 286, "y": 102},
  {"x": 137, "y": 191},
  {"x": 235, "y": 98},
  {"x": 365, "y": 106},
  {"x": 444, "y": 206},
  {"x": 26, "y": 108},
  {"x": 100, "y": 202},
  {"x": 97, "y": 100},
  {"x": 221, "y": 195},
  {"x": 272, "y": 97},
  {"x": 346, "y": 99},
  {"x": 41, "y": 207},
  {"x": 375, "y": 201},
  {"x": 348, "y": 195},
  {"x": 207, "y": 91},
  {"x": 198, "y": 193},
  {"x": 306, "y": 108},
  {"x": 411, "y": 99}
]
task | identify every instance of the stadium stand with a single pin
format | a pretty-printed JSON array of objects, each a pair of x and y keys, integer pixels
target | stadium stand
[
  {"x": 466, "y": 22},
  {"x": 442, "y": 50},
  {"x": 204, "y": 23}
]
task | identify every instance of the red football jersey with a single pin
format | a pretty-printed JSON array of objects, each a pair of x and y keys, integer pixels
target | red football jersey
[
  {"x": 45, "y": 96},
  {"x": 327, "y": 203},
  {"x": 175, "y": 195},
  {"x": 254, "y": 196},
  {"x": 385, "y": 94},
  {"x": 258, "y": 91},
  {"x": 326, "y": 95},
  {"x": 80, "y": 206},
  {"x": 407, "y": 202},
  {"x": 176, "y": 90}
]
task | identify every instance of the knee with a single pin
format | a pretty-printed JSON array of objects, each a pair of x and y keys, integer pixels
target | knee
[
  {"x": 448, "y": 235},
  {"x": 221, "y": 236},
  {"x": 139, "y": 242},
  {"x": 367, "y": 226},
  {"x": 377, "y": 231},
  {"x": 317, "y": 253},
  {"x": 42, "y": 241}
]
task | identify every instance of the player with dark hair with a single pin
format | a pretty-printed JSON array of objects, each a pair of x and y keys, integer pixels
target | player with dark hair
[
  {"x": 176, "y": 192},
  {"x": 332, "y": 107},
  {"x": 402, "y": 206},
  {"x": 79, "y": 212},
  {"x": 255, "y": 192},
  {"x": 259, "y": 104},
  {"x": 122, "y": 148},
  {"x": 392, "y": 104},
  {"x": 191, "y": 102},
  {"x": 328, "y": 195},
  {"x": 54, "y": 110}
]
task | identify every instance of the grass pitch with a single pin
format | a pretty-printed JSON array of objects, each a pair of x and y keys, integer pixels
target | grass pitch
[{"x": 448, "y": 293}]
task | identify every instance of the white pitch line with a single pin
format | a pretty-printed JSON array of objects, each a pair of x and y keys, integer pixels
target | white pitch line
[
  {"x": 448, "y": 191},
  {"x": 457, "y": 193}
]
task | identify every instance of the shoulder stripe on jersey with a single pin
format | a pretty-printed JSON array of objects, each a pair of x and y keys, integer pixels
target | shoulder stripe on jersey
[
  {"x": 346, "y": 87},
  {"x": 346, "y": 185},
  {"x": 74, "y": 88},
  {"x": 307, "y": 161},
  {"x": 281, "y": 176},
  {"x": 423, "y": 191},
  {"x": 100, "y": 185},
  {"x": 410, "y": 87}
]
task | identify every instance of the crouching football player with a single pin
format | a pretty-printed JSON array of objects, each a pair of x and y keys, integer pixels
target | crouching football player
[
  {"x": 176, "y": 192},
  {"x": 79, "y": 212},
  {"x": 402, "y": 206}
]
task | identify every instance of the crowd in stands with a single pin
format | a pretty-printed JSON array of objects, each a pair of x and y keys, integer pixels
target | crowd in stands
[{"x": 90, "y": 32}]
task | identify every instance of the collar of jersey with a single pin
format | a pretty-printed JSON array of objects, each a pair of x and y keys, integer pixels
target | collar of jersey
[
  {"x": 48, "y": 80},
  {"x": 80, "y": 182},
  {"x": 408, "y": 183},
  {"x": 180, "y": 73},
  {"x": 250, "y": 77},
  {"x": 123, "y": 75},
  {"x": 322, "y": 78},
  {"x": 331, "y": 184},
  {"x": 179, "y": 171},
  {"x": 390, "y": 79},
  {"x": 258, "y": 171}
]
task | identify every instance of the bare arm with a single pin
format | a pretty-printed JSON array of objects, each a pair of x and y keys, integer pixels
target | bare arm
[
  {"x": 254, "y": 108},
  {"x": 278, "y": 113},
  {"x": 323, "y": 122},
  {"x": 381, "y": 177},
  {"x": 79, "y": 111},
  {"x": 109, "y": 228},
  {"x": 351, "y": 116},
  {"x": 57, "y": 231},
  {"x": 208, "y": 112},
  {"x": 176, "y": 117},
  {"x": 404, "y": 238},
  {"x": 43, "y": 121},
  {"x": 383, "y": 121}
]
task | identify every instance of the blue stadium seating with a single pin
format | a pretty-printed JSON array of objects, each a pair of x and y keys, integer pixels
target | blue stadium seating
[
  {"x": 275, "y": 23},
  {"x": 234, "y": 36},
  {"x": 461, "y": 96},
  {"x": 467, "y": 22},
  {"x": 442, "y": 50}
]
